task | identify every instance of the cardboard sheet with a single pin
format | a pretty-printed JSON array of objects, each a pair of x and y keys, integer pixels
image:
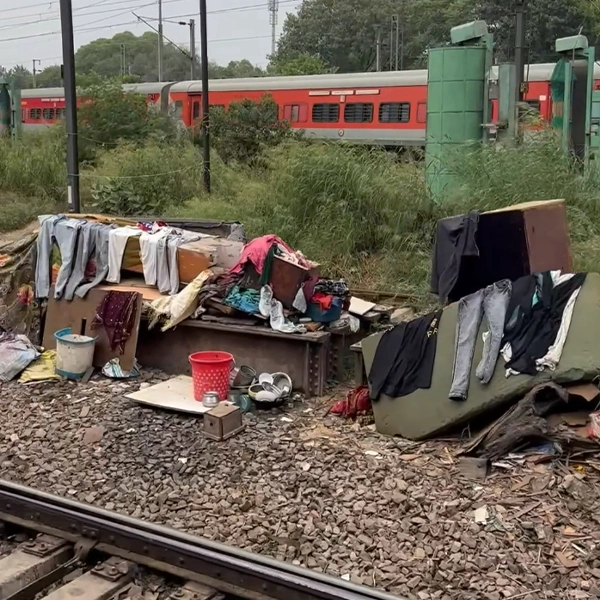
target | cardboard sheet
[
  {"x": 174, "y": 394},
  {"x": 78, "y": 314}
]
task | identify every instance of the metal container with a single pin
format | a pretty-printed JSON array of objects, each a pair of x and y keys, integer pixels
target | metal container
[{"x": 210, "y": 399}]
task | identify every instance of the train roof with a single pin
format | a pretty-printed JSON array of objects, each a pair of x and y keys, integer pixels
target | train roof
[{"x": 541, "y": 72}]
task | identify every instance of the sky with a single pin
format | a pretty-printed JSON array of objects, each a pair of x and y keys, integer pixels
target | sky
[{"x": 237, "y": 29}]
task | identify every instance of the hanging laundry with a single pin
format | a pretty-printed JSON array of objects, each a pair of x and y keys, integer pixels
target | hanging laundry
[
  {"x": 117, "y": 242},
  {"x": 540, "y": 309},
  {"x": 455, "y": 239},
  {"x": 86, "y": 248},
  {"x": 493, "y": 301},
  {"x": 101, "y": 244},
  {"x": 405, "y": 357},
  {"x": 116, "y": 313},
  {"x": 149, "y": 253},
  {"x": 62, "y": 231}
]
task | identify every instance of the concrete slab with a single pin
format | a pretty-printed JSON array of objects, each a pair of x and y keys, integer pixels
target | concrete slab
[
  {"x": 426, "y": 413},
  {"x": 19, "y": 569}
]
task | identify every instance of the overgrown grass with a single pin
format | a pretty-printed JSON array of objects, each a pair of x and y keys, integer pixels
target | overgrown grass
[{"x": 363, "y": 214}]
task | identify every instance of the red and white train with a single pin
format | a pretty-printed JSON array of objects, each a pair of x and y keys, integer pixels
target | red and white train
[{"x": 387, "y": 108}]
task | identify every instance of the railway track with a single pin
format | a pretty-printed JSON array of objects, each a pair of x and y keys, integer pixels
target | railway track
[{"x": 74, "y": 550}]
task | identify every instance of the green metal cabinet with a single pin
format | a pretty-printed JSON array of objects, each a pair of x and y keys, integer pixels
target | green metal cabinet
[{"x": 456, "y": 99}]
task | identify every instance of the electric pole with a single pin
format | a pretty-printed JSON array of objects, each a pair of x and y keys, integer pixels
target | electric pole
[
  {"x": 123, "y": 60},
  {"x": 193, "y": 47},
  {"x": 273, "y": 19},
  {"x": 192, "y": 25},
  {"x": 39, "y": 62},
  {"x": 68, "y": 48},
  {"x": 205, "y": 103},
  {"x": 160, "y": 41},
  {"x": 394, "y": 42},
  {"x": 520, "y": 48}
]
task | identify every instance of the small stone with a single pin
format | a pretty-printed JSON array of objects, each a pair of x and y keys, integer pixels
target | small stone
[
  {"x": 85, "y": 411},
  {"x": 93, "y": 435}
]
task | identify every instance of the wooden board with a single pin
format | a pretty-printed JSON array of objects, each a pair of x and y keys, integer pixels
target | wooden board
[
  {"x": 79, "y": 314},
  {"x": 174, "y": 394}
]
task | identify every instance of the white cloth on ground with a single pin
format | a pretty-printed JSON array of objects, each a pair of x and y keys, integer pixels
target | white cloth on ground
[
  {"x": 269, "y": 307},
  {"x": 117, "y": 241}
]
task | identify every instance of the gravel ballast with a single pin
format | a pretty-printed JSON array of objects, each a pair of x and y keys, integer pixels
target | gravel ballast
[{"x": 316, "y": 491}]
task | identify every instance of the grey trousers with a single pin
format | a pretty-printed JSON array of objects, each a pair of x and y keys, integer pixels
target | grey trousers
[
  {"x": 44, "y": 254},
  {"x": 86, "y": 245},
  {"x": 493, "y": 302},
  {"x": 101, "y": 234}
]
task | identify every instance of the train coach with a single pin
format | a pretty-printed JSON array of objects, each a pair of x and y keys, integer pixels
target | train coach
[{"x": 388, "y": 108}]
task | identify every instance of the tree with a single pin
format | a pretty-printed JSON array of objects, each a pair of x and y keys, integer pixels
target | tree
[
  {"x": 108, "y": 115},
  {"x": 21, "y": 76},
  {"x": 246, "y": 129},
  {"x": 547, "y": 20},
  {"x": 303, "y": 64},
  {"x": 49, "y": 77}
]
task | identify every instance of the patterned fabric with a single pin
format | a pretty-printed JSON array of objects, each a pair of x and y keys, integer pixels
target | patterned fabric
[
  {"x": 116, "y": 313},
  {"x": 20, "y": 313},
  {"x": 332, "y": 288}
]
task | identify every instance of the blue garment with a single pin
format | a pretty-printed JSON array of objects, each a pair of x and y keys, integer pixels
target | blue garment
[{"x": 244, "y": 300}]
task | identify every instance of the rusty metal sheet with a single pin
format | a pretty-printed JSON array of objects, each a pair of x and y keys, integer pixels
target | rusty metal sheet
[{"x": 304, "y": 357}]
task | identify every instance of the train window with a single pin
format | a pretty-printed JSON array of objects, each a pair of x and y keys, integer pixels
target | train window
[
  {"x": 60, "y": 113},
  {"x": 358, "y": 112},
  {"x": 35, "y": 114},
  {"x": 195, "y": 110},
  {"x": 394, "y": 112},
  {"x": 48, "y": 114},
  {"x": 295, "y": 113},
  {"x": 326, "y": 113},
  {"x": 178, "y": 109},
  {"x": 422, "y": 112}
]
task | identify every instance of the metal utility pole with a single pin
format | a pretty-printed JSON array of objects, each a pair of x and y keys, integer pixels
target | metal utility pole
[
  {"x": 520, "y": 48},
  {"x": 378, "y": 54},
  {"x": 160, "y": 41},
  {"x": 394, "y": 41},
  {"x": 39, "y": 62},
  {"x": 205, "y": 103},
  {"x": 273, "y": 20},
  {"x": 192, "y": 25},
  {"x": 123, "y": 60},
  {"x": 66, "y": 25}
]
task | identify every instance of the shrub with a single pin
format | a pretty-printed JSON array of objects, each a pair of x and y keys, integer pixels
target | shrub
[
  {"x": 133, "y": 180},
  {"x": 243, "y": 132}
]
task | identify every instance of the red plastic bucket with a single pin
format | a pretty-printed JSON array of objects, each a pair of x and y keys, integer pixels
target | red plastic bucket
[{"x": 210, "y": 373}]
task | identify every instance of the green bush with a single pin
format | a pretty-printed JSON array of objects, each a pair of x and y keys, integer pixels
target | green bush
[
  {"x": 34, "y": 165},
  {"x": 246, "y": 129},
  {"x": 108, "y": 116},
  {"x": 132, "y": 180}
]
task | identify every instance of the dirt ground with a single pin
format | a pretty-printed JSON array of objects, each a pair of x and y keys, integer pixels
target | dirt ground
[{"x": 316, "y": 491}]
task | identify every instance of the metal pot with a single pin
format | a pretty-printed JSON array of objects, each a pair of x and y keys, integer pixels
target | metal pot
[{"x": 210, "y": 399}]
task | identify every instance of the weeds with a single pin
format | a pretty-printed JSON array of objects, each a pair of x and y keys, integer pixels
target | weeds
[{"x": 363, "y": 214}]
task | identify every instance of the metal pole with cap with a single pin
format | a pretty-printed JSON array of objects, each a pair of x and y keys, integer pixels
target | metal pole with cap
[
  {"x": 68, "y": 49},
  {"x": 205, "y": 103}
]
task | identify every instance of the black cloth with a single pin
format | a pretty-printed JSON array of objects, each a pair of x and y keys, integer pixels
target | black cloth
[
  {"x": 404, "y": 358},
  {"x": 533, "y": 322},
  {"x": 456, "y": 238}
]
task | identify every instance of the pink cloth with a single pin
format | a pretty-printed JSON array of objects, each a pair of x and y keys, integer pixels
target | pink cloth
[{"x": 256, "y": 252}]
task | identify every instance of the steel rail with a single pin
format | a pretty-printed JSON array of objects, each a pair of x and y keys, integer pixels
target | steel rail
[{"x": 222, "y": 567}]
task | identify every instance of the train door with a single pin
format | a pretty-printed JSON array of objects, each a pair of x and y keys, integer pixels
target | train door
[{"x": 195, "y": 108}]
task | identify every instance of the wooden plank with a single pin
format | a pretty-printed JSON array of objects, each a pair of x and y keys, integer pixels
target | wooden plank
[{"x": 79, "y": 314}]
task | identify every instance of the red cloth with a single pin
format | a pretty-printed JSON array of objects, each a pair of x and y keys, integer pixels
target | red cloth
[
  {"x": 256, "y": 252},
  {"x": 356, "y": 402},
  {"x": 323, "y": 300}
]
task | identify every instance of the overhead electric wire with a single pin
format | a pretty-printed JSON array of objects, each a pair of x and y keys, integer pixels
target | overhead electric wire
[{"x": 131, "y": 8}]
